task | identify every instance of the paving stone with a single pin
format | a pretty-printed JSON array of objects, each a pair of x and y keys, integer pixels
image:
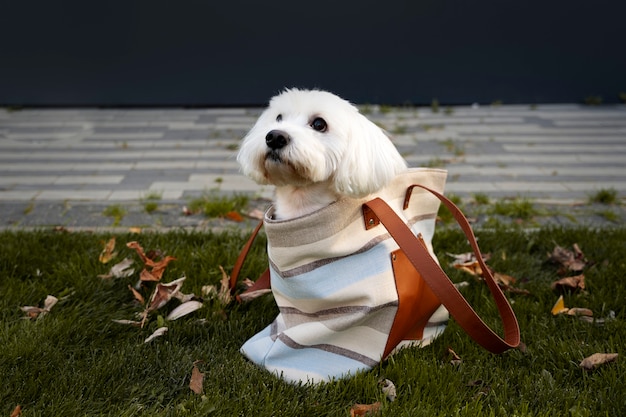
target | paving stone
[{"x": 53, "y": 157}]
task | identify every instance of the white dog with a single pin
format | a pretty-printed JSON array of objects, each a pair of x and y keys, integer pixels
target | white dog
[{"x": 316, "y": 148}]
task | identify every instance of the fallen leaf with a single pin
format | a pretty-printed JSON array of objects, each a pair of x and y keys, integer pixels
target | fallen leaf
[
  {"x": 569, "y": 283},
  {"x": 597, "y": 359},
  {"x": 120, "y": 270},
  {"x": 467, "y": 257},
  {"x": 363, "y": 409},
  {"x": 559, "y": 307},
  {"x": 108, "y": 252},
  {"x": 137, "y": 247},
  {"x": 472, "y": 268},
  {"x": 456, "y": 359},
  {"x": 157, "y": 333},
  {"x": 128, "y": 322},
  {"x": 197, "y": 378},
  {"x": 578, "y": 311},
  {"x": 224, "y": 293},
  {"x": 184, "y": 309},
  {"x": 153, "y": 270},
  {"x": 504, "y": 279},
  {"x": 137, "y": 295},
  {"x": 163, "y": 293},
  {"x": 388, "y": 388},
  {"x": 183, "y": 298},
  {"x": 17, "y": 411},
  {"x": 249, "y": 296},
  {"x": 134, "y": 230},
  {"x": 157, "y": 269},
  {"x": 34, "y": 312},
  {"x": 234, "y": 216},
  {"x": 570, "y": 260}
]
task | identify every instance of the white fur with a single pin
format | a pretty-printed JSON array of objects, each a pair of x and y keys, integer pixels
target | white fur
[{"x": 352, "y": 158}]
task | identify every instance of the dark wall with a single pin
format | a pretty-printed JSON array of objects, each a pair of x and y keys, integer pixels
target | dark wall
[{"x": 202, "y": 52}]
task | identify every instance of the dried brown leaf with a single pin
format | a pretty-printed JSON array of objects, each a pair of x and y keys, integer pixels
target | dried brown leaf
[
  {"x": 108, "y": 252},
  {"x": 159, "y": 267},
  {"x": 579, "y": 311},
  {"x": 456, "y": 359},
  {"x": 17, "y": 411},
  {"x": 592, "y": 362},
  {"x": 570, "y": 260},
  {"x": 472, "y": 268},
  {"x": 504, "y": 279},
  {"x": 137, "y": 247},
  {"x": 163, "y": 293},
  {"x": 137, "y": 295},
  {"x": 224, "y": 293},
  {"x": 234, "y": 216},
  {"x": 569, "y": 283},
  {"x": 197, "y": 378},
  {"x": 364, "y": 409}
]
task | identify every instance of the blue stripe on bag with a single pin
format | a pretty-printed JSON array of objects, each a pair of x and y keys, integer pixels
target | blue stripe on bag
[{"x": 329, "y": 279}]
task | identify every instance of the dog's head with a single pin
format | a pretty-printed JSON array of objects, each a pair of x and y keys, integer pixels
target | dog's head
[{"x": 311, "y": 136}]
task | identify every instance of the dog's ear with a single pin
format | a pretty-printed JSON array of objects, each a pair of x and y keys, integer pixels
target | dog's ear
[{"x": 370, "y": 162}]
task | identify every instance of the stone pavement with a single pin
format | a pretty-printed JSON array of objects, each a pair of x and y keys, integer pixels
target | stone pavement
[{"x": 62, "y": 167}]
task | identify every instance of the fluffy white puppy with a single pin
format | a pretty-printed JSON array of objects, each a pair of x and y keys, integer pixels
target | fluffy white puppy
[{"x": 316, "y": 148}]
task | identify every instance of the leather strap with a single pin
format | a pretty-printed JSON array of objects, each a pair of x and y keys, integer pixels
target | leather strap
[
  {"x": 435, "y": 277},
  {"x": 234, "y": 275}
]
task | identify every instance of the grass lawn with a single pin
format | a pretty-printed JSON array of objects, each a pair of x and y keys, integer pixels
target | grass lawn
[{"x": 76, "y": 361}]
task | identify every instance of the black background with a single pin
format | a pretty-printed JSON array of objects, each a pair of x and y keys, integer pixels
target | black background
[{"x": 196, "y": 53}]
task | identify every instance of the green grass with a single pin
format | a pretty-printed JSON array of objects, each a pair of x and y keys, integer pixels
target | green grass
[
  {"x": 604, "y": 196},
  {"x": 76, "y": 362},
  {"x": 116, "y": 211},
  {"x": 518, "y": 208},
  {"x": 151, "y": 201},
  {"x": 214, "y": 204}
]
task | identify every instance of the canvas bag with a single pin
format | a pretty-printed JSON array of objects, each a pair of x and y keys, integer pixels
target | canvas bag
[{"x": 351, "y": 291}]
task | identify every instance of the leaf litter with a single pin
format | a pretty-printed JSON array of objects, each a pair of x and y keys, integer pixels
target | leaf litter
[
  {"x": 108, "y": 252},
  {"x": 34, "y": 312},
  {"x": 592, "y": 362},
  {"x": 197, "y": 379}
]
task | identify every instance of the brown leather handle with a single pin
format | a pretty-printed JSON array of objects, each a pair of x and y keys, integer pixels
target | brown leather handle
[
  {"x": 439, "y": 282},
  {"x": 234, "y": 275}
]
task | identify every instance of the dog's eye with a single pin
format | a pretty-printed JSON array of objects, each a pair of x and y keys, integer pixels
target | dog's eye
[
  {"x": 279, "y": 118},
  {"x": 319, "y": 124}
]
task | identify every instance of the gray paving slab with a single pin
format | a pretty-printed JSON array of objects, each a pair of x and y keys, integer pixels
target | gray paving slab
[{"x": 78, "y": 159}]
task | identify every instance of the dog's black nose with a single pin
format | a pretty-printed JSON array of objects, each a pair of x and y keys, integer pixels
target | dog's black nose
[{"x": 277, "y": 139}]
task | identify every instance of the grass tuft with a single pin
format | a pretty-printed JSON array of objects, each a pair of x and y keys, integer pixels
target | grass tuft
[
  {"x": 116, "y": 211},
  {"x": 214, "y": 204},
  {"x": 604, "y": 196},
  {"x": 518, "y": 208}
]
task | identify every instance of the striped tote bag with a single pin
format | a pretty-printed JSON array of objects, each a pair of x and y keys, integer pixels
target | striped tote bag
[{"x": 350, "y": 290}]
